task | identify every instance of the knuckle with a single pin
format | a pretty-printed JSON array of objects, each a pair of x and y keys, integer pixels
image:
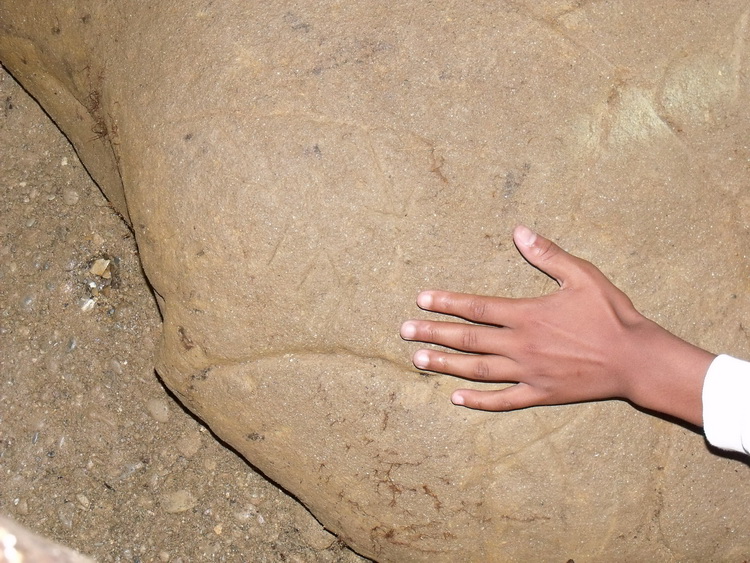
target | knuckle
[
  {"x": 531, "y": 349},
  {"x": 468, "y": 339},
  {"x": 546, "y": 250},
  {"x": 477, "y": 308},
  {"x": 505, "y": 404},
  {"x": 588, "y": 272},
  {"x": 496, "y": 403},
  {"x": 431, "y": 332},
  {"x": 481, "y": 369}
]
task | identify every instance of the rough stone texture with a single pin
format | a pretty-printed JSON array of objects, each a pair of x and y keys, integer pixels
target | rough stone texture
[
  {"x": 295, "y": 174},
  {"x": 82, "y": 462}
]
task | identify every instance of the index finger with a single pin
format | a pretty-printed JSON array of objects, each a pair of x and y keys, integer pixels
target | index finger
[{"x": 498, "y": 311}]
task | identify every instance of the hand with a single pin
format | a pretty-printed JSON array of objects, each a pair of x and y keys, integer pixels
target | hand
[{"x": 584, "y": 342}]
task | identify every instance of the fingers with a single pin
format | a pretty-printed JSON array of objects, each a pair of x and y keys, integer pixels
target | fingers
[
  {"x": 484, "y": 367},
  {"x": 459, "y": 336},
  {"x": 519, "y": 396},
  {"x": 497, "y": 311},
  {"x": 548, "y": 257}
]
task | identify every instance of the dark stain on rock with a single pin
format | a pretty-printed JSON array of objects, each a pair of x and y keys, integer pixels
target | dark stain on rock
[
  {"x": 435, "y": 499},
  {"x": 296, "y": 22},
  {"x": 514, "y": 180},
  {"x": 436, "y": 166},
  {"x": 186, "y": 341},
  {"x": 202, "y": 375}
]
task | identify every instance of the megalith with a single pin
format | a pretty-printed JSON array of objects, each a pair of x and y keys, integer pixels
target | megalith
[{"x": 295, "y": 173}]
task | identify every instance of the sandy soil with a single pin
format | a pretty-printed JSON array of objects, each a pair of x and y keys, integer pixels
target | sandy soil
[{"x": 94, "y": 452}]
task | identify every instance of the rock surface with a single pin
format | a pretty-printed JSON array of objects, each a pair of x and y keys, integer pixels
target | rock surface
[
  {"x": 294, "y": 175},
  {"x": 81, "y": 460}
]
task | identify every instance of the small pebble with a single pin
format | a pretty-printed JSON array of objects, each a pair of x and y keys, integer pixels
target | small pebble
[
  {"x": 65, "y": 515},
  {"x": 189, "y": 445},
  {"x": 249, "y": 512},
  {"x": 158, "y": 410},
  {"x": 22, "y": 506},
  {"x": 317, "y": 537},
  {"x": 101, "y": 268},
  {"x": 84, "y": 500},
  {"x": 115, "y": 367},
  {"x": 70, "y": 197},
  {"x": 178, "y": 501}
]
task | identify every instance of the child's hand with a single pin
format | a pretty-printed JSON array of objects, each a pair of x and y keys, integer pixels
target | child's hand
[{"x": 584, "y": 342}]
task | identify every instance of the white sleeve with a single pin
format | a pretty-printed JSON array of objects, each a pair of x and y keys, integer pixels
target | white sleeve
[{"x": 726, "y": 404}]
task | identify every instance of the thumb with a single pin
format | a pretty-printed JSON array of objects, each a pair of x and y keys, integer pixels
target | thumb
[{"x": 546, "y": 255}]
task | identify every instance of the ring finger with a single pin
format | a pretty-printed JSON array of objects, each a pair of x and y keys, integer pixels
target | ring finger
[
  {"x": 477, "y": 367},
  {"x": 459, "y": 336}
]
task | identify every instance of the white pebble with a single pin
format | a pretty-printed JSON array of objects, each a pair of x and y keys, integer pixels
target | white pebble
[
  {"x": 189, "y": 445},
  {"x": 22, "y": 506},
  {"x": 70, "y": 197},
  {"x": 65, "y": 514},
  {"x": 115, "y": 367},
  {"x": 178, "y": 501},
  {"x": 84, "y": 500},
  {"x": 158, "y": 410}
]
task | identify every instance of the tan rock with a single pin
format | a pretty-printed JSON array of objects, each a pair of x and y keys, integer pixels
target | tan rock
[{"x": 294, "y": 175}]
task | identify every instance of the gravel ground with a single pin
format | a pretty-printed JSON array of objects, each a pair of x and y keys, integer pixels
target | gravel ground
[{"x": 94, "y": 452}]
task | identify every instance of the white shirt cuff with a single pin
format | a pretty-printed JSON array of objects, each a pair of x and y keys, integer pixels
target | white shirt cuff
[{"x": 726, "y": 404}]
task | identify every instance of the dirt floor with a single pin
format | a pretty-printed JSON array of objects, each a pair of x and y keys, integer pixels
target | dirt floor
[{"x": 94, "y": 452}]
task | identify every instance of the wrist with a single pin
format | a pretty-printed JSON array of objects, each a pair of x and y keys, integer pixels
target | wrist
[{"x": 668, "y": 373}]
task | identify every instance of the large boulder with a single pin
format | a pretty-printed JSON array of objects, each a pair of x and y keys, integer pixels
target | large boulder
[{"x": 295, "y": 173}]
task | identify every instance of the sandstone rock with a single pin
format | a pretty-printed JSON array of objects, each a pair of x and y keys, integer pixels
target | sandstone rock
[{"x": 295, "y": 174}]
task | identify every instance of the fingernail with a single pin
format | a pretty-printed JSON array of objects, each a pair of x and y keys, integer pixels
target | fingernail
[
  {"x": 525, "y": 236},
  {"x": 408, "y": 330},
  {"x": 424, "y": 300},
  {"x": 457, "y": 399},
  {"x": 421, "y": 359}
]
